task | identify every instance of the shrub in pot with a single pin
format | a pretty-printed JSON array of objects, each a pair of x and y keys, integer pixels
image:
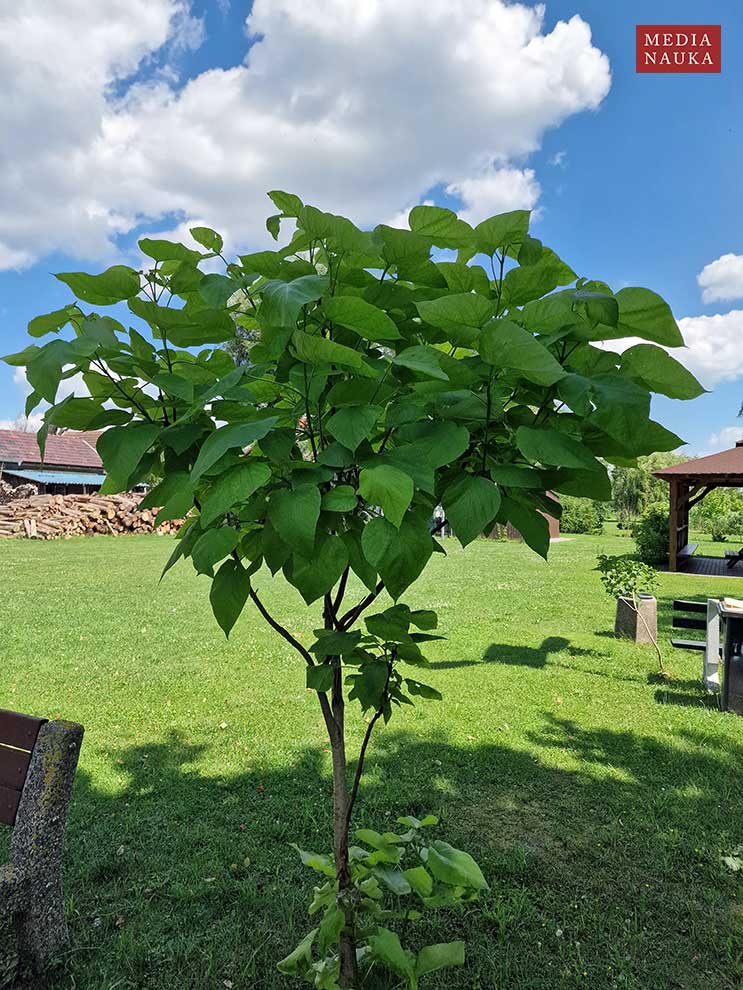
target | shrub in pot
[{"x": 632, "y": 582}]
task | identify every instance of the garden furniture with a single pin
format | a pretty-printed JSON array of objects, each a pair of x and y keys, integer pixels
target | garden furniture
[{"x": 38, "y": 759}]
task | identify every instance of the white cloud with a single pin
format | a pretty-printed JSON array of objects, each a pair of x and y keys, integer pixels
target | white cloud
[
  {"x": 358, "y": 108},
  {"x": 495, "y": 190},
  {"x": 722, "y": 279},
  {"x": 559, "y": 159},
  {"x": 23, "y": 424},
  {"x": 727, "y": 437},
  {"x": 714, "y": 346}
]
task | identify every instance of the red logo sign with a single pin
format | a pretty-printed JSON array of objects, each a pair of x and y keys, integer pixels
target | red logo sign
[{"x": 678, "y": 48}]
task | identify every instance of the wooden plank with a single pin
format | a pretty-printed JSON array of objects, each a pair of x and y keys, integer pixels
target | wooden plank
[
  {"x": 13, "y": 767},
  {"x": 682, "y": 605},
  {"x": 19, "y": 730},
  {"x": 9, "y": 801},
  {"x": 688, "y": 550},
  {"x": 683, "y": 622},
  {"x": 688, "y": 644}
]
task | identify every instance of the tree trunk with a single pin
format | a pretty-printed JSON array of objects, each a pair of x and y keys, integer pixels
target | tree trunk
[{"x": 347, "y": 942}]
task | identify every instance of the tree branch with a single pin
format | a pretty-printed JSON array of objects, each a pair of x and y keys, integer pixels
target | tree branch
[
  {"x": 367, "y": 736},
  {"x": 360, "y": 764},
  {"x": 280, "y": 629}
]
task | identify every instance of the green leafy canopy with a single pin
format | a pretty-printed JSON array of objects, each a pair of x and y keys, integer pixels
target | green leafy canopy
[{"x": 380, "y": 385}]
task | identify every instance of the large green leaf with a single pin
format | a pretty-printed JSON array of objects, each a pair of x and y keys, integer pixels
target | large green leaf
[
  {"x": 402, "y": 246},
  {"x": 282, "y": 301},
  {"x": 643, "y": 313},
  {"x": 294, "y": 514},
  {"x": 122, "y": 448},
  {"x": 434, "y": 957},
  {"x": 471, "y": 504},
  {"x": 289, "y": 204},
  {"x": 186, "y": 327},
  {"x": 389, "y": 488},
  {"x": 45, "y": 367},
  {"x": 52, "y": 322},
  {"x": 507, "y": 345},
  {"x": 442, "y": 226},
  {"x": 229, "y": 592},
  {"x": 208, "y": 238},
  {"x": 356, "y": 314},
  {"x": 622, "y": 406},
  {"x": 313, "y": 349},
  {"x": 163, "y": 250},
  {"x": 233, "y": 488},
  {"x": 467, "y": 309},
  {"x": 455, "y": 867},
  {"x": 352, "y": 424},
  {"x": 399, "y": 555},
  {"x": 340, "y": 499},
  {"x": 114, "y": 285},
  {"x": 227, "y": 438},
  {"x": 584, "y": 484},
  {"x": 421, "y": 358},
  {"x": 528, "y": 282},
  {"x": 314, "y": 576},
  {"x": 420, "y": 880},
  {"x": 212, "y": 546},
  {"x": 300, "y": 957},
  {"x": 530, "y": 523},
  {"x": 658, "y": 371},
  {"x": 386, "y": 947},
  {"x": 543, "y": 446},
  {"x": 502, "y": 231}
]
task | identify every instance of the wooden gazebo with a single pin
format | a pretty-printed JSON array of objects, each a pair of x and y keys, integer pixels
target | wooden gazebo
[{"x": 691, "y": 482}]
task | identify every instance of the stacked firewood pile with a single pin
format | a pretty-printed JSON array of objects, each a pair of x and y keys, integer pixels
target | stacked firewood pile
[
  {"x": 8, "y": 492},
  {"x": 46, "y": 517}
]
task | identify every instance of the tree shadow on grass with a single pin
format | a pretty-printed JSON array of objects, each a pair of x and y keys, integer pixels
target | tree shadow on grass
[
  {"x": 528, "y": 656},
  {"x": 547, "y": 655},
  {"x": 577, "y": 830}
]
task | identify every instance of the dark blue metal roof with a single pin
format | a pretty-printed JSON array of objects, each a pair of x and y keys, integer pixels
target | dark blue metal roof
[{"x": 59, "y": 477}]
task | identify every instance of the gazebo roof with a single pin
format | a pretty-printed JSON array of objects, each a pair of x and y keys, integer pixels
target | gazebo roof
[{"x": 727, "y": 466}]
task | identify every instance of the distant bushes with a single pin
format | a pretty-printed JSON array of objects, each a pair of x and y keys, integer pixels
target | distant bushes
[
  {"x": 650, "y": 532},
  {"x": 726, "y": 526},
  {"x": 581, "y": 515}
]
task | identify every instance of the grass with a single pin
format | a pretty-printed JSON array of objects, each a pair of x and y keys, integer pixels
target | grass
[{"x": 598, "y": 800}]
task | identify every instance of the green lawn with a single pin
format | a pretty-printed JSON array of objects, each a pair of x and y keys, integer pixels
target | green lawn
[{"x": 598, "y": 801}]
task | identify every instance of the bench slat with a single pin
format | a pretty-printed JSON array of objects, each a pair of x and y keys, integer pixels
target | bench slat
[
  {"x": 19, "y": 730},
  {"x": 9, "y": 801},
  {"x": 689, "y": 644},
  {"x": 683, "y": 622},
  {"x": 688, "y": 550},
  {"x": 682, "y": 605},
  {"x": 13, "y": 767}
]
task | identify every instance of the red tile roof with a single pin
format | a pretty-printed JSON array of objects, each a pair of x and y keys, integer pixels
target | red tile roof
[
  {"x": 70, "y": 449},
  {"x": 727, "y": 462}
]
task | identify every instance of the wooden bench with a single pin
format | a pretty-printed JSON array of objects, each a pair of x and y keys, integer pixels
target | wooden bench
[
  {"x": 685, "y": 554},
  {"x": 38, "y": 760},
  {"x": 733, "y": 557},
  {"x": 701, "y": 616}
]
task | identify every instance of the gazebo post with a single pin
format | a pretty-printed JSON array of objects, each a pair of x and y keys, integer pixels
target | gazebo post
[{"x": 673, "y": 524}]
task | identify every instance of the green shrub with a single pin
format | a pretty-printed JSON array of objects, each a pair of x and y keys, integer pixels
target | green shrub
[
  {"x": 651, "y": 534},
  {"x": 626, "y": 577},
  {"x": 581, "y": 515},
  {"x": 719, "y": 529}
]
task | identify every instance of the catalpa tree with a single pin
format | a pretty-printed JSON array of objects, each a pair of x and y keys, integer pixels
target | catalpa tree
[{"x": 382, "y": 382}]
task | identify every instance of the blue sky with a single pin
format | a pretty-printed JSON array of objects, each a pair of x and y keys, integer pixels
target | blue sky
[{"x": 635, "y": 180}]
